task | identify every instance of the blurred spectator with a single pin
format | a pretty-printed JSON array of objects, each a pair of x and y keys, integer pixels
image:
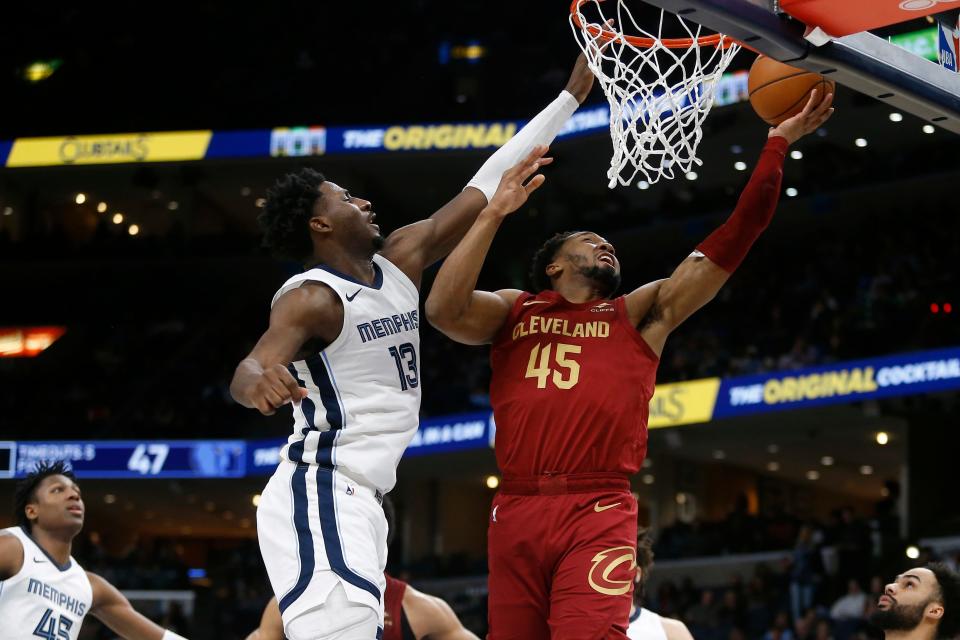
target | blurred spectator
[
  {"x": 802, "y": 572},
  {"x": 852, "y": 605}
]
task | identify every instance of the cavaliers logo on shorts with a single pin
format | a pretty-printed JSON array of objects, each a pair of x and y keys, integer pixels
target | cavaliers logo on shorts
[{"x": 613, "y": 571}]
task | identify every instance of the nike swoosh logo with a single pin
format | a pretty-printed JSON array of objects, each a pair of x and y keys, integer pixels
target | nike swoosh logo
[
  {"x": 351, "y": 297},
  {"x": 598, "y": 508},
  {"x": 530, "y": 302},
  {"x": 39, "y": 561}
]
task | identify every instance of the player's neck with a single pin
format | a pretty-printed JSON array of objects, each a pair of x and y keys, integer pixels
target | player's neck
[
  {"x": 57, "y": 544},
  {"x": 359, "y": 268},
  {"x": 922, "y": 632},
  {"x": 577, "y": 292}
]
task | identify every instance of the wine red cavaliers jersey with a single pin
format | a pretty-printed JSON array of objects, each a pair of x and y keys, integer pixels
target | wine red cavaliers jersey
[
  {"x": 570, "y": 388},
  {"x": 395, "y": 623}
]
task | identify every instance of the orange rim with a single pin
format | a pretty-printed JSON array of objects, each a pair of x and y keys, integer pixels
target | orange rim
[{"x": 716, "y": 40}]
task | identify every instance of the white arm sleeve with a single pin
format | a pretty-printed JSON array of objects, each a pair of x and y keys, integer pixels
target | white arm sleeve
[{"x": 541, "y": 130}]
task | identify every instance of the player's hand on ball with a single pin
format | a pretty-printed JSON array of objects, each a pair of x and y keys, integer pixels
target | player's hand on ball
[
  {"x": 512, "y": 192},
  {"x": 814, "y": 114},
  {"x": 275, "y": 388}
]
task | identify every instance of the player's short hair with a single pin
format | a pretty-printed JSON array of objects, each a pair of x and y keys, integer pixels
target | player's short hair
[
  {"x": 288, "y": 208},
  {"x": 644, "y": 561},
  {"x": 544, "y": 256},
  {"x": 644, "y": 551},
  {"x": 948, "y": 582},
  {"x": 26, "y": 489}
]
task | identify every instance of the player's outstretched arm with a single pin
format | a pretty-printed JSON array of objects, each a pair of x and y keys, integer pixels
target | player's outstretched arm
[
  {"x": 415, "y": 247},
  {"x": 262, "y": 380},
  {"x": 430, "y": 617},
  {"x": 454, "y": 306},
  {"x": 675, "y": 629},
  {"x": 271, "y": 624},
  {"x": 659, "y": 308},
  {"x": 11, "y": 556},
  {"x": 110, "y": 607}
]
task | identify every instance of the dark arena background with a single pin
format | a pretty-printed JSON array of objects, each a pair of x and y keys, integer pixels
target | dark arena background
[{"x": 804, "y": 432}]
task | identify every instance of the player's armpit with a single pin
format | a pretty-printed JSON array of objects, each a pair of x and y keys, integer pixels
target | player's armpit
[
  {"x": 110, "y": 607},
  {"x": 692, "y": 285},
  {"x": 640, "y": 301},
  {"x": 416, "y": 246},
  {"x": 479, "y": 321},
  {"x": 11, "y": 556},
  {"x": 431, "y": 618}
]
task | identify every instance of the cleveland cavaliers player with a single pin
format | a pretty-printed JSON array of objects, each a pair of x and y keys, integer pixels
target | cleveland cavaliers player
[
  {"x": 43, "y": 591},
  {"x": 573, "y": 372}
]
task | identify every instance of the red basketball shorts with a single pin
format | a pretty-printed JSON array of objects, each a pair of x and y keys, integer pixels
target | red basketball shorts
[{"x": 562, "y": 555}]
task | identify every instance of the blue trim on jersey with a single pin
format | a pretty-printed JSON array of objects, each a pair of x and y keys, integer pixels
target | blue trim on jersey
[
  {"x": 295, "y": 452},
  {"x": 377, "y": 275},
  {"x": 329, "y": 529},
  {"x": 379, "y": 633},
  {"x": 328, "y": 394},
  {"x": 61, "y": 567},
  {"x": 301, "y": 522},
  {"x": 636, "y": 615},
  {"x": 336, "y": 389}
]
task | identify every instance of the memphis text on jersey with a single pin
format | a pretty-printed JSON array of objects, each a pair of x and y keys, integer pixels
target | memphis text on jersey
[
  {"x": 73, "y": 605},
  {"x": 383, "y": 327},
  {"x": 561, "y": 327}
]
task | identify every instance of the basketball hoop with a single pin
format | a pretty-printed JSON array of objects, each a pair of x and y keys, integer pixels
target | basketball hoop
[{"x": 660, "y": 89}]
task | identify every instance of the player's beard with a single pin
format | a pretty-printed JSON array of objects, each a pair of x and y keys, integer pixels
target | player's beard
[
  {"x": 378, "y": 242},
  {"x": 898, "y": 617},
  {"x": 605, "y": 278}
]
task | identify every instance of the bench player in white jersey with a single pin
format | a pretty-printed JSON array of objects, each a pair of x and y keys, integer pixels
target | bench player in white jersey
[
  {"x": 343, "y": 348},
  {"x": 645, "y": 624},
  {"x": 44, "y": 593}
]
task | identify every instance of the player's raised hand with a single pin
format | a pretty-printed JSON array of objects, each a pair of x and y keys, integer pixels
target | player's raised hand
[
  {"x": 275, "y": 388},
  {"x": 814, "y": 114},
  {"x": 512, "y": 192},
  {"x": 581, "y": 79}
]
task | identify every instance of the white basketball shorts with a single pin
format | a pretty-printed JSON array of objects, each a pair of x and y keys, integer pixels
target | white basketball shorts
[{"x": 318, "y": 529}]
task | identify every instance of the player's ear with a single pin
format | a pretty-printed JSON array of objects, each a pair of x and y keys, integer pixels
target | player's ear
[
  {"x": 31, "y": 511},
  {"x": 320, "y": 224},
  {"x": 554, "y": 270},
  {"x": 934, "y": 610}
]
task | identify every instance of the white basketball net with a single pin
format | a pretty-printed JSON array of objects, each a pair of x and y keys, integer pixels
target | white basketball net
[{"x": 659, "y": 97}]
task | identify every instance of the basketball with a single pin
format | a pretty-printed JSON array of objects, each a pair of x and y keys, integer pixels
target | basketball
[{"x": 779, "y": 91}]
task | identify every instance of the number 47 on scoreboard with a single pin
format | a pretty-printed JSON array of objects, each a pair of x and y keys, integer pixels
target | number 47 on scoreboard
[{"x": 148, "y": 459}]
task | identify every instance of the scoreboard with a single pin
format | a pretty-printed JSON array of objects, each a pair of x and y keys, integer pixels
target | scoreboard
[
  {"x": 130, "y": 459},
  {"x": 142, "y": 459}
]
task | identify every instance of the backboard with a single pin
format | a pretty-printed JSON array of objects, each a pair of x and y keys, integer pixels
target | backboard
[{"x": 862, "y": 61}]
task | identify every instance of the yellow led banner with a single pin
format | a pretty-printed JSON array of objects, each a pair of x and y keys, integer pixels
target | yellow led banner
[
  {"x": 109, "y": 149},
  {"x": 683, "y": 403}
]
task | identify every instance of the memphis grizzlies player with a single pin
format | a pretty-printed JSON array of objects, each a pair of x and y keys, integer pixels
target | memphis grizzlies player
[
  {"x": 343, "y": 348},
  {"x": 645, "y": 624},
  {"x": 43, "y": 591}
]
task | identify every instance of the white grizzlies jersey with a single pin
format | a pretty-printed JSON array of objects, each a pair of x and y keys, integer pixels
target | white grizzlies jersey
[
  {"x": 44, "y": 599},
  {"x": 363, "y": 400},
  {"x": 646, "y": 625}
]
